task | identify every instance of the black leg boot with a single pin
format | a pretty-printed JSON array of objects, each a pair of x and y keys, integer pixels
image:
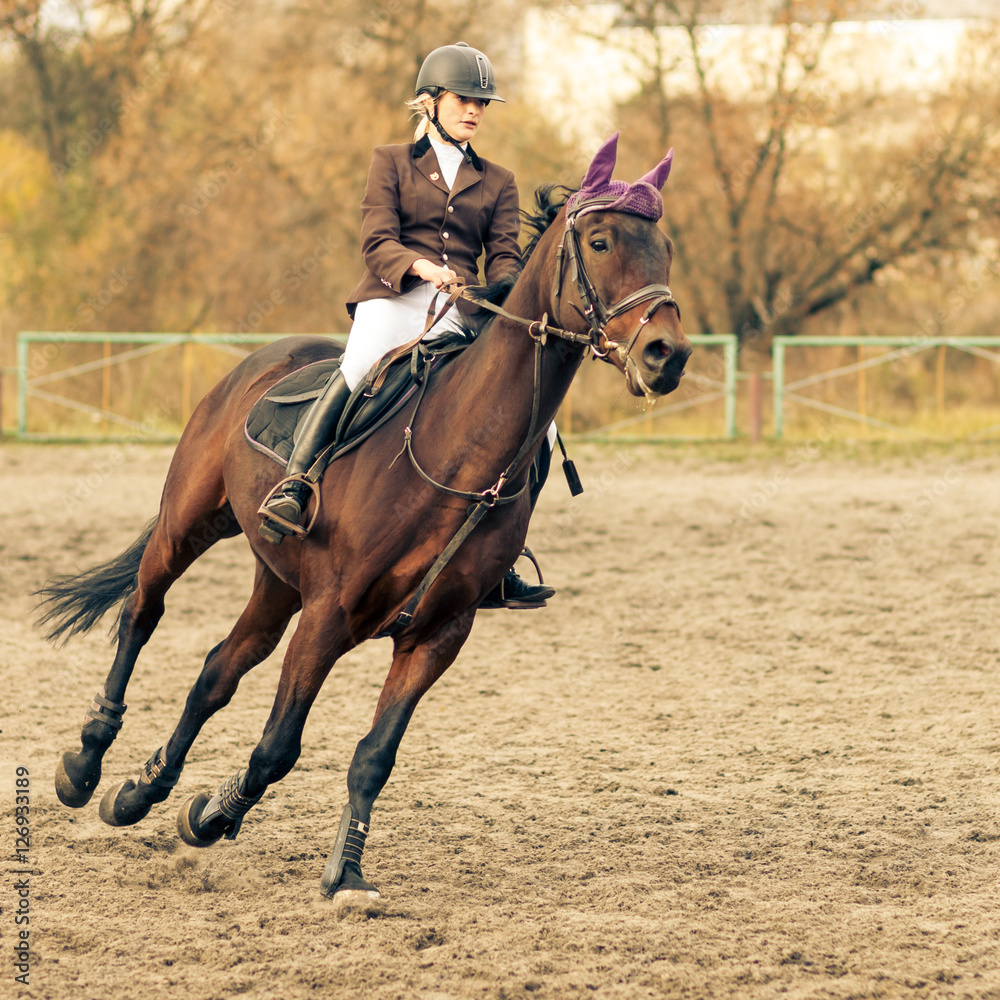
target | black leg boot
[{"x": 284, "y": 508}]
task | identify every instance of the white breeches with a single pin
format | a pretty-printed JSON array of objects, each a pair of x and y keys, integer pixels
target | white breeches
[{"x": 382, "y": 324}]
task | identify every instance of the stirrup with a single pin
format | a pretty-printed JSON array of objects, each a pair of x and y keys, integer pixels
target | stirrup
[
  {"x": 499, "y": 598},
  {"x": 274, "y": 524}
]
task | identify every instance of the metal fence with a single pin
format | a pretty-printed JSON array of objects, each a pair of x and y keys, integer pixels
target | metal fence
[
  {"x": 898, "y": 348},
  {"x": 48, "y": 373},
  {"x": 47, "y": 377},
  {"x": 34, "y": 376}
]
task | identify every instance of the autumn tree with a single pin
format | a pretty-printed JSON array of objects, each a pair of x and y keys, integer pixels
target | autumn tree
[
  {"x": 803, "y": 181},
  {"x": 216, "y": 151}
]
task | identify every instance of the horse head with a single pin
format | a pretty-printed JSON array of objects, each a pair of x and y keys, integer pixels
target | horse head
[{"x": 613, "y": 268}]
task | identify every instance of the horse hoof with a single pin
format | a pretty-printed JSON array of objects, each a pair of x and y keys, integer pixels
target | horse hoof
[
  {"x": 354, "y": 899},
  {"x": 107, "y": 807},
  {"x": 187, "y": 822},
  {"x": 116, "y": 813},
  {"x": 68, "y": 793}
]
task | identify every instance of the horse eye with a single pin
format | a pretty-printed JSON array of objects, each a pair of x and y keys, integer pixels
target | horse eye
[{"x": 599, "y": 246}]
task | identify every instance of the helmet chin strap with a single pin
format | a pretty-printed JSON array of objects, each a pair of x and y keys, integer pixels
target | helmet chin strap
[{"x": 433, "y": 119}]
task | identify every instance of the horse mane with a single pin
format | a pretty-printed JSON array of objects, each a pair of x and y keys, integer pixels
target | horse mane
[{"x": 549, "y": 201}]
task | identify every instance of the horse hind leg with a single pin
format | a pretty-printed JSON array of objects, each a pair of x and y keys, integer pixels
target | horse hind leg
[
  {"x": 164, "y": 556},
  {"x": 321, "y": 637},
  {"x": 74, "y": 604},
  {"x": 253, "y": 638}
]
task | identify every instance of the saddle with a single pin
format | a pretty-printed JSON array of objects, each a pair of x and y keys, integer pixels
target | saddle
[{"x": 272, "y": 422}]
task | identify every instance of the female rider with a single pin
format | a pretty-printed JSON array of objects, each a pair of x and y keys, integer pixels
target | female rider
[{"x": 431, "y": 208}]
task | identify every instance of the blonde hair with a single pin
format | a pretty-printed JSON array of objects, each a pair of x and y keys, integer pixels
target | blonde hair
[{"x": 418, "y": 109}]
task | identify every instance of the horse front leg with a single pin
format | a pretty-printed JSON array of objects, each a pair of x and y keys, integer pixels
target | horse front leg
[{"x": 414, "y": 669}]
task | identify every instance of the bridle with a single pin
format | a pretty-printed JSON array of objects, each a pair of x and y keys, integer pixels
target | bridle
[{"x": 595, "y": 312}]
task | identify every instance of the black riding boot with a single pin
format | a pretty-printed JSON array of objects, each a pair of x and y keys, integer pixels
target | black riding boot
[
  {"x": 512, "y": 591},
  {"x": 316, "y": 432}
]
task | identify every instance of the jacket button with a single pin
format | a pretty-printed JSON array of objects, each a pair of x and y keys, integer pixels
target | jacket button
[
  {"x": 444, "y": 236},
  {"x": 444, "y": 256},
  {"x": 451, "y": 208}
]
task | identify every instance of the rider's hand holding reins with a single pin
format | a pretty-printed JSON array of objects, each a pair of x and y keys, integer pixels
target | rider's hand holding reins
[{"x": 436, "y": 274}]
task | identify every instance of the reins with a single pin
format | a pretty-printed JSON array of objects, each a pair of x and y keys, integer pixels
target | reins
[{"x": 596, "y": 314}]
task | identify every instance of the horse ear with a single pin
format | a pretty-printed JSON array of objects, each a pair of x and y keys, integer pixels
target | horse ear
[
  {"x": 658, "y": 175},
  {"x": 602, "y": 166}
]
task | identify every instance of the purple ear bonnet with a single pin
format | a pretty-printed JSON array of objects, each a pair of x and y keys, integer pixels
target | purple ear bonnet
[{"x": 600, "y": 193}]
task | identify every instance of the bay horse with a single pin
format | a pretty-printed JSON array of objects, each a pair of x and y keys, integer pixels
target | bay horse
[{"x": 381, "y": 524}]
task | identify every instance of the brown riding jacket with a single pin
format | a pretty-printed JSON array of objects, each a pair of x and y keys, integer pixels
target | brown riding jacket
[{"x": 408, "y": 213}]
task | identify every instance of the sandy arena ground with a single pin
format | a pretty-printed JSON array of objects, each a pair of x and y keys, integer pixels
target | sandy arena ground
[{"x": 750, "y": 750}]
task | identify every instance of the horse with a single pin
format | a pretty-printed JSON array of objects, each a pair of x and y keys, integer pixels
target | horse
[{"x": 373, "y": 562}]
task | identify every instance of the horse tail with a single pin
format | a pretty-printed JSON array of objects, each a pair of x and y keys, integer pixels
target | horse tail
[{"x": 76, "y": 603}]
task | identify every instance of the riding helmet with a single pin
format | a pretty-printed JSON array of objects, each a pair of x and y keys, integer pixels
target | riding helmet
[{"x": 459, "y": 68}]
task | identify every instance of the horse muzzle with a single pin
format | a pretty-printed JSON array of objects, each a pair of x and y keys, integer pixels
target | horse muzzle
[{"x": 656, "y": 366}]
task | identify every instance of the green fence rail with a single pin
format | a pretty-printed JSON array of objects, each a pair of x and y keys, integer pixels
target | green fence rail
[
  {"x": 31, "y": 386},
  {"x": 719, "y": 384},
  {"x": 905, "y": 347},
  {"x": 724, "y": 389}
]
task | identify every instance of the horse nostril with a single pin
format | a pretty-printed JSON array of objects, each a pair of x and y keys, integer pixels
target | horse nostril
[{"x": 658, "y": 352}]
